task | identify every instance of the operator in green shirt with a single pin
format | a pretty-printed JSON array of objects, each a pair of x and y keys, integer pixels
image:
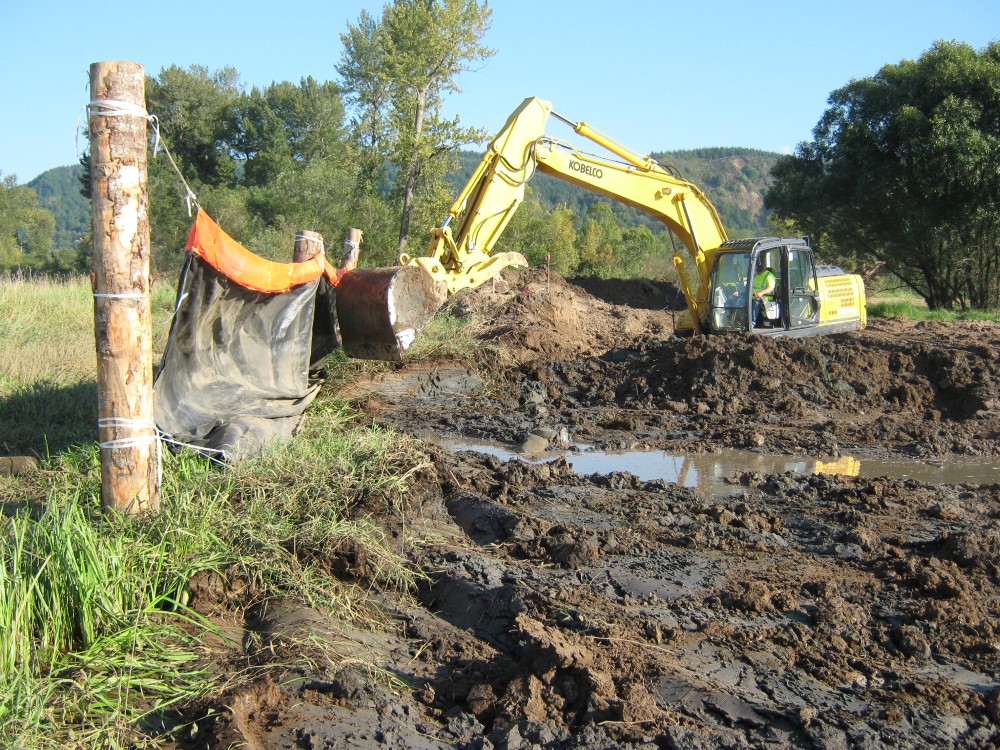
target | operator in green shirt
[{"x": 764, "y": 282}]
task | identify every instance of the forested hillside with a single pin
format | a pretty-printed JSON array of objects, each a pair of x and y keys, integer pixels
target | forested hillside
[
  {"x": 58, "y": 190},
  {"x": 733, "y": 178}
]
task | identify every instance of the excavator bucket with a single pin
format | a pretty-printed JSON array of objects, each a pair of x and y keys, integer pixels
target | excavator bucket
[{"x": 380, "y": 310}]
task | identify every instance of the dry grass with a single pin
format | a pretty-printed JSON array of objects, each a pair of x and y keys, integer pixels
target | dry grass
[
  {"x": 47, "y": 326},
  {"x": 48, "y": 361}
]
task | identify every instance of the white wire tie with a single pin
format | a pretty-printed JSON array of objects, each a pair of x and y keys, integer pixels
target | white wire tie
[
  {"x": 156, "y": 131},
  {"x": 115, "y": 108},
  {"x": 122, "y": 423},
  {"x": 209, "y": 453},
  {"x": 322, "y": 247},
  {"x": 129, "y": 295}
]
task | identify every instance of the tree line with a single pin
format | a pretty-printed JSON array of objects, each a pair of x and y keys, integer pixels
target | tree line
[{"x": 903, "y": 170}]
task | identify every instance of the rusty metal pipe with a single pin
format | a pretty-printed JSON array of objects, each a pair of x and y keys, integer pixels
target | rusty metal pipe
[{"x": 381, "y": 310}]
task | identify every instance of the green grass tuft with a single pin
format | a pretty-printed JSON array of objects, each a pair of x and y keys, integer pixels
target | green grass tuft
[{"x": 99, "y": 637}]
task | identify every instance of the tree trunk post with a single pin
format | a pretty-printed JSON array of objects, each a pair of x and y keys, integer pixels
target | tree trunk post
[
  {"x": 130, "y": 480},
  {"x": 308, "y": 245},
  {"x": 352, "y": 248}
]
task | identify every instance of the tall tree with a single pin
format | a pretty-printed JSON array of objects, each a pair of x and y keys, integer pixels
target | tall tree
[
  {"x": 298, "y": 162},
  {"x": 196, "y": 110},
  {"x": 904, "y": 168},
  {"x": 544, "y": 236},
  {"x": 367, "y": 90},
  {"x": 396, "y": 71},
  {"x": 282, "y": 127},
  {"x": 600, "y": 241},
  {"x": 264, "y": 163},
  {"x": 26, "y": 231}
]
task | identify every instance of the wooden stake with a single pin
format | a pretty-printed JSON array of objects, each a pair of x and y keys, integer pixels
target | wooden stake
[
  {"x": 307, "y": 245},
  {"x": 352, "y": 248},
  {"x": 123, "y": 328}
]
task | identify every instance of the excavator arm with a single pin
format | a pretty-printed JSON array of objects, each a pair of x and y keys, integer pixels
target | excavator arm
[{"x": 460, "y": 249}]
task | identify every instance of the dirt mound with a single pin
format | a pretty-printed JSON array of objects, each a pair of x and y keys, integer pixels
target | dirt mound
[
  {"x": 929, "y": 388},
  {"x": 869, "y": 388},
  {"x": 533, "y": 315},
  {"x": 612, "y": 376}
]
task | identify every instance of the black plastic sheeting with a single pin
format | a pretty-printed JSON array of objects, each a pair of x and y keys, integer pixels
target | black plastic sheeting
[{"x": 235, "y": 374}]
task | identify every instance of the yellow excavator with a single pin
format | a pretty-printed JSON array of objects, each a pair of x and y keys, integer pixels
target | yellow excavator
[{"x": 716, "y": 273}]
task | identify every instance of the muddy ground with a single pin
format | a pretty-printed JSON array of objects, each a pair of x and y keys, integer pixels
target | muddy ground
[{"x": 565, "y": 611}]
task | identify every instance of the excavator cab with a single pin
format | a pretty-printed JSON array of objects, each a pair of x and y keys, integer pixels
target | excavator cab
[
  {"x": 730, "y": 304},
  {"x": 794, "y": 306}
]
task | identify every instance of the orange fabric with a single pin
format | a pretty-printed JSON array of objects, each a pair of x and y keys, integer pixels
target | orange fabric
[
  {"x": 334, "y": 274},
  {"x": 247, "y": 269}
]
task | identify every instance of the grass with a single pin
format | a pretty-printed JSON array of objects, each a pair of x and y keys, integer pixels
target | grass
[
  {"x": 47, "y": 326},
  {"x": 48, "y": 362},
  {"x": 101, "y": 639},
  {"x": 94, "y": 628},
  {"x": 447, "y": 335},
  {"x": 889, "y": 298},
  {"x": 98, "y": 635},
  {"x": 916, "y": 311}
]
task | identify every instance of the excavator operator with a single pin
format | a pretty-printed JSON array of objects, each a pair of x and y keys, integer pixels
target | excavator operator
[{"x": 764, "y": 282}]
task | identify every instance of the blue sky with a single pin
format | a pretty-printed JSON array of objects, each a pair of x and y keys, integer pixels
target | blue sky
[{"x": 654, "y": 75}]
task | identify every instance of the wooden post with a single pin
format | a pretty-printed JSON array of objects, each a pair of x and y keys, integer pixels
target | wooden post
[
  {"x": 123, "y": 328},
  {"x": 308, "y": 245},
  {"x": 352, "y": 248}
]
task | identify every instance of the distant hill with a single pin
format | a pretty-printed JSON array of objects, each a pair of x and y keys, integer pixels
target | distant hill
[
  {"x": 58, "y": 190},
  {"x": 734, "y": 179}
]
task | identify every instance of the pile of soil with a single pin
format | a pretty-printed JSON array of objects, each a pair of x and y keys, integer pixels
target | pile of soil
[
  {"x": 534, "y": 315},
  {"x": 558, "y": 610}
]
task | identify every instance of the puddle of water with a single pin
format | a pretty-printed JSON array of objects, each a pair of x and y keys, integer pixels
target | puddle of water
[{"x": 709, "y": 472}]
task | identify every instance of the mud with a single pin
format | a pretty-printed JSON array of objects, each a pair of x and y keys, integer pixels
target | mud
[{"x": 563, "y": 610}]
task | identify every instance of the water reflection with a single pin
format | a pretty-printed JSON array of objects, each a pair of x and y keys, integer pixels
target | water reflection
[{"x": 713, "y": 472}]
